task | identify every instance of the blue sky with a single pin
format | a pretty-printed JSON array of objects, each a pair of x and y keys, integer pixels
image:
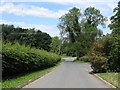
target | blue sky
[{"x": 44, "y": 14}]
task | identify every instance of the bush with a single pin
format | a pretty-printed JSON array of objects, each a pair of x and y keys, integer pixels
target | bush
[
  {"x": 105, "y": 54},
  {"x": 114, "y": 55},
  {"x": 98, "y": 59},
  {"x": 84, "y": 58},
  {"x": 99, "y": 63},
  {"x": 20, "y": 58}
]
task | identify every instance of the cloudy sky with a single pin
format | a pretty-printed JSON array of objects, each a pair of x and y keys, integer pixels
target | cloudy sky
[{"x": 44, "y": 14}]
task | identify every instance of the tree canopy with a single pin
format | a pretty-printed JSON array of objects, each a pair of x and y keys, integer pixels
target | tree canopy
[
  {"x": 81, "y": 29},
  {"x": 69, "y": 23},
  {"x": 31, "y": 37},
  {"x": 115, "y": 20}
]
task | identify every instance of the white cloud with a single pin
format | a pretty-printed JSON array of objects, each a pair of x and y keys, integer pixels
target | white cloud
[
  {"x": 60, "y": 1},
  {"x": 22, "y": 10},
  {"x": 44, "y": 28}
]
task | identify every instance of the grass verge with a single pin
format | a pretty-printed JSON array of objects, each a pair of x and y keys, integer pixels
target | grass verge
[
  {"x": 80, "y": 61},
  {"x": 62, "y": 60},
  {"x": 14, "y": 82},
  {"x": 112, "y": 78}
]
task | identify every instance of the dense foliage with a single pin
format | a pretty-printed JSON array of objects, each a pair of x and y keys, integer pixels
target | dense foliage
[
  {"x": 81, "y": 29},
  {"x": 55, "y": 45},
  {"x": 104, "y": 54},
  {"x": 31, "y": 37},
  {"x": 115, "y": 20},
  {"x": 85, "y": 38},
  {"x": 19, "y": 59},
  {"x": 115, "y": 49},
  {"x": 84, "y": 59},
  {"x": 114, "y": 58},
  {"x": 97, "y": 55}
]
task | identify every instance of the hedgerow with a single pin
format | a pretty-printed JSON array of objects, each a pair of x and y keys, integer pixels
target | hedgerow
[
  {"x": 84, "y": 58},
  {"x": 19, "y": 59}
]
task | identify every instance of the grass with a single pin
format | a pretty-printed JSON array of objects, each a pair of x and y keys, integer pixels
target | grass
[
  {"x": 62, "y": 60},
  {"x": 14, "y": 82},
  {"x": 113, "y": 78},
  {"x": 80, "y": 61}
]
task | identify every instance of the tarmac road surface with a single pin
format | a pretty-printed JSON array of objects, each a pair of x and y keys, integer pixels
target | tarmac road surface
[{"x": 69, "y": 75}]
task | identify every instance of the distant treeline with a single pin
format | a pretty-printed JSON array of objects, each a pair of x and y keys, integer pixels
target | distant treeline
[{"x": 31, "y": 37}]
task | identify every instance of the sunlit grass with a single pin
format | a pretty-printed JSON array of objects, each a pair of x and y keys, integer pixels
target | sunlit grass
[
  {"x": 14, "y": 82},
  {"x": 112, "y": 78},
  {"x": 62, "y": 60},
  {"x": 80, "y": 61}
]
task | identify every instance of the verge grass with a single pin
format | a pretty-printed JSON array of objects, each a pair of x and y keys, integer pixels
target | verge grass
[
  {"x": 62, "y": 60},
  {"x": 112, "y": 78},
  {"x": 14, "y": 82},
  {"x": 80, "y": 61}
]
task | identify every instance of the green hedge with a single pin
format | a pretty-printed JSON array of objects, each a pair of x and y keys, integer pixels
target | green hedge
[
  {"x": 20, "y": 58},
  {"x": 84, "y": 58}
]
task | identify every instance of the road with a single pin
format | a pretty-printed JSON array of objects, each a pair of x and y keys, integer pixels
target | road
[{"x": 69, "y": 75}]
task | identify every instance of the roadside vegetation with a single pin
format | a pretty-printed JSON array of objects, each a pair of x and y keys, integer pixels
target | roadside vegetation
[
  {"x": 105, "y": 53},
  {"x": 19, "y": 80},
  {"x": 113, "y": 78},
  {"x": 80, "y": 61},
  {"x": 22, "y": 63},
  {"x": 25, "y": 55},
  {"x": 18, "y": 59},
  {"x": 84, "y": 59},
  {"x": 62, "y": 60}
]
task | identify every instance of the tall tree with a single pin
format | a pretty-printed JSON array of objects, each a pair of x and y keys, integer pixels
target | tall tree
[
  {"x": 115, "y": 20},
  {"x": 115, "y": 52},
  {"x": 82, "y": 32},
  {"x": 70, "y": 23},
  {"x": 93, "y": 18}
]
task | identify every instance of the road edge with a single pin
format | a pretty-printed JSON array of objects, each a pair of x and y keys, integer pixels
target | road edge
[
  {"x": 31, "y": 80},
  {"x": 106, "y": 82}
]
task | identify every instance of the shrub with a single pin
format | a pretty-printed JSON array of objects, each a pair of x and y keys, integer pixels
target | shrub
[
  {"x": 105, "y": 54},
  {"x": 98, "y": 59},
  {"x": 84, "y": 58},
  {"x": 20, "y": 58},
  {"x": 99, "y": 63}
]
